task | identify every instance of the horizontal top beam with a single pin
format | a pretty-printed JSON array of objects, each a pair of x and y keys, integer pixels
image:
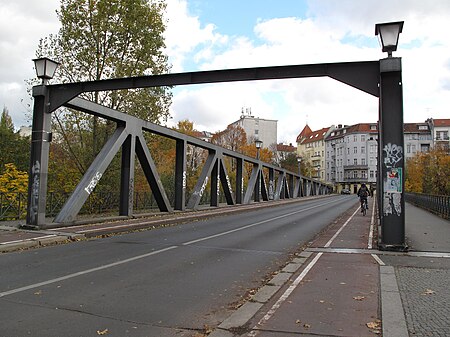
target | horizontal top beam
[{"x": 361, "y": 75}]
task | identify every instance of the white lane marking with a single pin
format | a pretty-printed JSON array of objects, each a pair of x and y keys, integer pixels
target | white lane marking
[
  {"x": 29, "y": 239},
  {"x": 84, "y": 272},
  {"x": 340, "y": 229},
  {"x": 284, "y": 297},
  {"x": 380, "y": 262},
  {"x": 254, "y": 224},
  {"x": 372, "y": 222}
]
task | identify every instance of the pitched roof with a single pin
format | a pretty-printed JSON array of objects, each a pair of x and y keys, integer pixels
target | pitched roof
[
  {"x": 315, "y": 136},
  {"x": 286, "y": 148},
  {"x": 305, "y": 132},
  {"x": 441, "y": 122}
]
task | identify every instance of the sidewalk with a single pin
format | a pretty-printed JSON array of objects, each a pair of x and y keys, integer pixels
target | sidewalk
[{"x": 339, "y": 286}]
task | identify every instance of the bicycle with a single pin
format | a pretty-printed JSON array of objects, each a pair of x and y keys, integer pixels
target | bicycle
[{"x": 364, "y": 206}]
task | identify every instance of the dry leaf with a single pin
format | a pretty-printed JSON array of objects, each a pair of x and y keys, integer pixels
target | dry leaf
[
  {"x": 342, "y": 283},
  {"x": 306, "y": 325},
  {"x": 39, "y": 292},
  {"x": 428, "y": 292},
  {"x": 103, "y": 332},
  {"x": 373, "y": 325},
  {"x": 297, "y": 321},
  {"x": 322, "y": 301},
  {"x": 358, "y": 298}
]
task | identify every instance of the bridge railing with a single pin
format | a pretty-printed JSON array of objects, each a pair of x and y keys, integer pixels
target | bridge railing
[{"x": 437, "y": 204}]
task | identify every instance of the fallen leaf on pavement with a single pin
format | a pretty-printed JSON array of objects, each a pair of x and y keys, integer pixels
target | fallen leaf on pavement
[
  {"x": 297, "y": 321},
  {"x": 428, "y": 292},
  {"x": 358, "y": 298},
  {"x": 39, "y": 292},
  {"x": 103, "y": 332},
  {"x": 373, "y": 325},
  {"x": 306, "y": 325}
]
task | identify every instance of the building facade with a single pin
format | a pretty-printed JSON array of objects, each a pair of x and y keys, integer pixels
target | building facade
[
  {"x": 257, "y": 128},
  {"x": 351, "y": 156},
  {"x": 311, "y": 148},
  {"x": 440, "y": 130}
]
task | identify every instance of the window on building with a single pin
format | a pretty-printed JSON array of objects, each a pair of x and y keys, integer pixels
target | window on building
[
  {"x": 371, "y": 174},
  {"x": 363, "y": 138},
  {"x": 408, "y": 148},
  {"x": 355, "y": 138},
  {"x": 355, "y": 150},
  {"x": 363, "y": 161},
  {"x": 363, "y": 149},
  {"x": 355, "y": 174},
  {"x": 355, "y": 161}
]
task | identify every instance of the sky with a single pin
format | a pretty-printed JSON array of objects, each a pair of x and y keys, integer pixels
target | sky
[{"x": 218, "y": 34}]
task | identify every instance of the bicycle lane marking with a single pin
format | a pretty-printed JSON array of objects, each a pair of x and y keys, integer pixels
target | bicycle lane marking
[{"x": 296, "y": 282}]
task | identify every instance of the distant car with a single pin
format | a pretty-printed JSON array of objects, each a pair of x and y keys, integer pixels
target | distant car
[{"x": 345, "y": 191}]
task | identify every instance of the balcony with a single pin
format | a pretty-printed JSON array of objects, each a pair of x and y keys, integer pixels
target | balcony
[
  {"x": 356, "y": 180},
  {"x": 355, "y": 167}
]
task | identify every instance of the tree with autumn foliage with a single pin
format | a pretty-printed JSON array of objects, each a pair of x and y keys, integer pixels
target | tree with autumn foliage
[
  {"x": 428, "y": 172},
  {"x": 233, "y": 138}
]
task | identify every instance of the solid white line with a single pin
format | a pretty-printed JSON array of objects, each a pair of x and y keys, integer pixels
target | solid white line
[
  {"x": 340, "y": 229},
  {"x": 380, "y": 262},
  {"x": 29, "y": 239},
  {"x": 372, "y": 222},
  {"x": 84, "y": 272},
  {"x": 255, "y": 224},
  {"x": 284, "y": 297}
]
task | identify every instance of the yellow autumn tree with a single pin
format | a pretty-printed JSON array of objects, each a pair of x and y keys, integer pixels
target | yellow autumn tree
[{"x": 13, "y": 186}]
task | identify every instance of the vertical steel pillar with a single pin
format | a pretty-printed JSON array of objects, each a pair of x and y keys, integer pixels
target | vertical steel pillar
[
  {"x": 271, "y": 183},
  {"x": 127, "y": 176},
  {"x": 40, "y": 146},
  {"x": 180, "y": 175},
  {"x": 239, "y": 180},
  {"x": 257, "y": 191},
  {"x": 392, "y": 160},
  {"x": 215, "y": 184}
]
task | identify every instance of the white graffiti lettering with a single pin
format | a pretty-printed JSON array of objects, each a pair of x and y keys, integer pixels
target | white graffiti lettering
[
  {"x": 94, "y": 181},
  {"x": 393, "y": 155}
]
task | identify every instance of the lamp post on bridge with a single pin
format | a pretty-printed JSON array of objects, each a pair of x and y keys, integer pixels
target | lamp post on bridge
[
  {"x": 299, "y": 161},
  {"x": 391, "y": 160},
  {"x": 41, "y": 137}
]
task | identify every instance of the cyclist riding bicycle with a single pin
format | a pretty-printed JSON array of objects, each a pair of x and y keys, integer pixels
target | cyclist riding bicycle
[{"x": 363, "y": 193}]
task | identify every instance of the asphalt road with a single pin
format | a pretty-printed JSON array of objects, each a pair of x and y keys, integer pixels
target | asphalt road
[{"x": 172, "y": 281}]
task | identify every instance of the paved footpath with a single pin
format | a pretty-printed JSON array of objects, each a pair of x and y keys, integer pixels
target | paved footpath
[{"x": 343, "y": 286}]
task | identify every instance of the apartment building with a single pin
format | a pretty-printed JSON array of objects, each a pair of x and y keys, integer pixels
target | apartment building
[
  {"x": 351, "y": 156},
  {"x": 311, "y": 148},
  {"x": 262, "y": 129},
  {"x": 417, "y": 138},
  {"x": 440, "y": 130}
]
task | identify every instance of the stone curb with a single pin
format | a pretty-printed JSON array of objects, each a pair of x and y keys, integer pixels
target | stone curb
[
  {"x": 392, "y": 314},
  {"x": 247, "y": 311}
]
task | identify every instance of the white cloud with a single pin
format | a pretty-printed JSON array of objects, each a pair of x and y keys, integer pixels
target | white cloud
[{"x": 22, "y": 24}]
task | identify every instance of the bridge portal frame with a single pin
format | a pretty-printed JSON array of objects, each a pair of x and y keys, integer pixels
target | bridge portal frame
[{"x": 378, "y": 78}]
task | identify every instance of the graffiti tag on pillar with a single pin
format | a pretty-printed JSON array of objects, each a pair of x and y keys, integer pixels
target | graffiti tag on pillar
[
  {"x": 202, "y": 190},
  {"x": 35, "y": 170},
  {"x": 184, "y": 180},
  {"x": 393, "y": 155},
  {"x": 393, "y": 181},
  {"x": 271, "y": 188},
  {"x": 94, "y": 181},
  {"x": 218, "y": 185},
  {"x": 228, "y": 183}
]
